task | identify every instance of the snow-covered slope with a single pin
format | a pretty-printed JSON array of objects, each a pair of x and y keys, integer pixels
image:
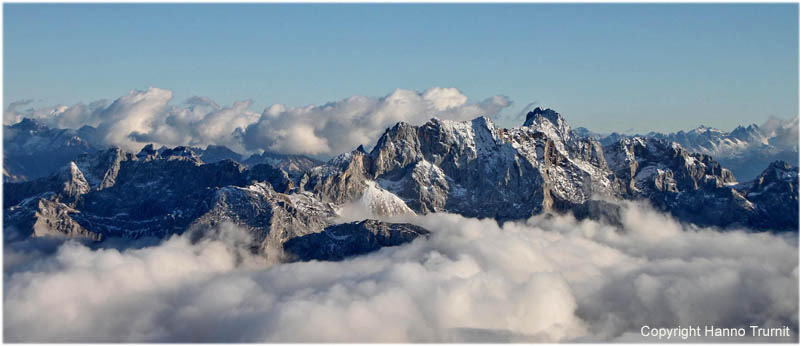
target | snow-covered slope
[{"x": 382, "y": 202}]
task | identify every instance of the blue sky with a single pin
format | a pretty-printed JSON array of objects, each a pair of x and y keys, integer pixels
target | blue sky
[{"x": 604, "y": 66}]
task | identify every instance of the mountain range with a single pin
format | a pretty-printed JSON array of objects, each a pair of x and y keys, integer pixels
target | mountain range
[
  {"x": 745, "y": 150},
  {"x": 33, "y": 150},
  {"x": 62, "y": 182}
]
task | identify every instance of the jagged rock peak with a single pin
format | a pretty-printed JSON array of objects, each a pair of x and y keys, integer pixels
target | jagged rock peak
[
  {"x": 750, "y": 127},
  {"x": 778, "y": 171},
  {"x": 148, "y": 150},
  {"x": 547, "y": 113},
  {"x": 402, "y": 125},
  {"x": 485, "y": 121},
  {"x": 73, "y": 181},
  {"x": 548, "y": 121},
  {"x": 180, "y": 153},
  {"x": 70, "y": 171}
]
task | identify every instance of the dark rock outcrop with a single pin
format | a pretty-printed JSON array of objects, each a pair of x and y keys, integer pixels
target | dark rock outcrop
[{"x": 351, "y": 239}]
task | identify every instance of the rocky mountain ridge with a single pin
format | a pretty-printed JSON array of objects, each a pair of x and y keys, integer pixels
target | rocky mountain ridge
[
  {"x": 33, "y": 150},
  {"x": 478, "y": 170},
  {"x": 472, "y": 168}
]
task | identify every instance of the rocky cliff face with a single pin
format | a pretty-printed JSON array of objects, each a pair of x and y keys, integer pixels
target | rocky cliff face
[{"x": 473, "y": 168}]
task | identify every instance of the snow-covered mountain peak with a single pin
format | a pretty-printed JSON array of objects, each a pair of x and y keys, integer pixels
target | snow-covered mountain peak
[
  {"x": 549, "y": 122},
  {"x": 547, "y": 113},
  {"x": 485, "y": 121},
  {"x": 73, "y": 181},
  {"x": 750, "y": 133}
]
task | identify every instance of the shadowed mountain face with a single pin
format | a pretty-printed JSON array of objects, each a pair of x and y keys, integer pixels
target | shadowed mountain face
[{"x": 291, "y": 203}]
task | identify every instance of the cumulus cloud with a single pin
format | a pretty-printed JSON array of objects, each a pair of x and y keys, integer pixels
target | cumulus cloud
[
  {"x": 12, "y": 115},
  {"x": 783, "y": 133},
  {"x": 341, "y": 126},
  {"x": 544, "y": 279},
  {"x": 146, "y": 116}
]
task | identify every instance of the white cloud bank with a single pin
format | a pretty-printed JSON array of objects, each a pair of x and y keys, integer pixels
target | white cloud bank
[
  {"x": 547, "y": 279},
  {"x": 783, "y": 133},
  {"x": 146, "y": 116}
]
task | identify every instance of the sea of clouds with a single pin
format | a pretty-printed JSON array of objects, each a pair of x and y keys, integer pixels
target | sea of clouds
[
  {"x": 548, "y": 279},
  {"x": 147, "y": 116}
]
